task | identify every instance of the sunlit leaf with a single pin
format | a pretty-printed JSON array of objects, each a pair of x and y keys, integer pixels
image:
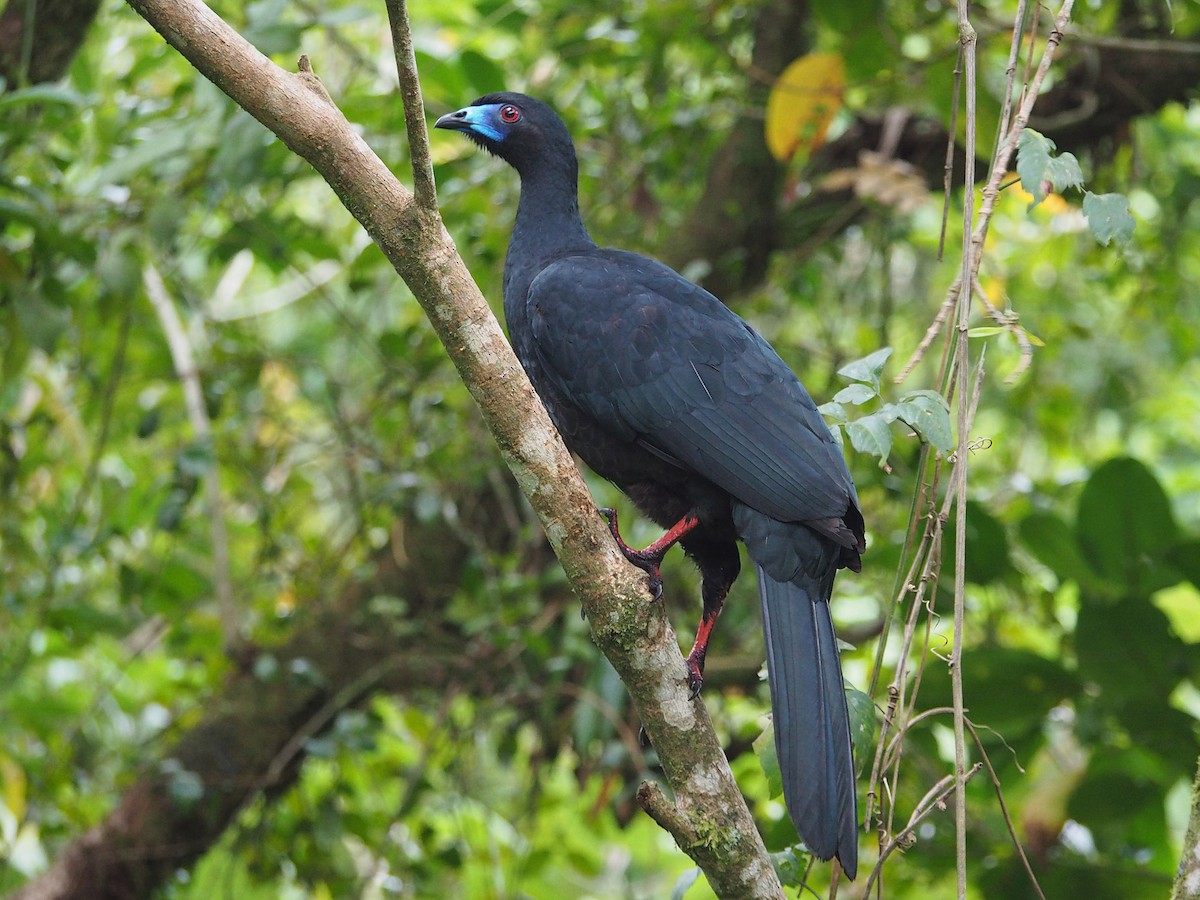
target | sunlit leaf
[
  {"x": 868, "y": 369},
  {"x": 871, "y": 434},
  {"x": 13, "y": 786},
  {"x": 855, "y": 394},
  {"x": 929, "y": 416}
]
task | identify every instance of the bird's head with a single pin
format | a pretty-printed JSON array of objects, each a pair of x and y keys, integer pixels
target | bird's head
[{"x": 524, "y": 132}]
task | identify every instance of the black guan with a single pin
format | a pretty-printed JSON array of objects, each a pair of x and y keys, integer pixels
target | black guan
[{"x": 668, "y": 394}]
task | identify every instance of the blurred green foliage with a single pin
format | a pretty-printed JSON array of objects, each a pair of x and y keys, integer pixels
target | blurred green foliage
[{"x": 335, "y": 414}]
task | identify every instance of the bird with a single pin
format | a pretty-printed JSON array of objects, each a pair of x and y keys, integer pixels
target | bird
[{"x": 664, "y": 391}]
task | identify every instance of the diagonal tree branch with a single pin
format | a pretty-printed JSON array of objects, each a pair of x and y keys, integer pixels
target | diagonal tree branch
[{"x": 715, "y": 828}]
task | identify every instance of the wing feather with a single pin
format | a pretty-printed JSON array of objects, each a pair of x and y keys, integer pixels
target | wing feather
[{"x": 691, "y": 380}]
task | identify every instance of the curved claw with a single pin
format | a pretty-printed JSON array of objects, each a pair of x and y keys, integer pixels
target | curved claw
[
  {"x": 651, "y": 557},
  {"x": 654, "y": 583},
  {"x": 695, "y": 679}
]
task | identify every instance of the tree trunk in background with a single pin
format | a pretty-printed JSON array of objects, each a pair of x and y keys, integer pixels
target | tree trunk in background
[
  {"x": 253, "y": 734},
  {"x": 59, "y": 30},
  {"x": 1187, "y": 879},
  {"x": 733, "y": 225}
]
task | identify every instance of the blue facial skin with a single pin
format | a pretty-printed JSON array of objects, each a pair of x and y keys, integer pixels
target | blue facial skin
[{"x": 483, "y": 120}]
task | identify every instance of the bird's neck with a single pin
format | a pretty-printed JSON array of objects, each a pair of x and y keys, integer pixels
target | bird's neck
[{"x": 548, "y": 223}]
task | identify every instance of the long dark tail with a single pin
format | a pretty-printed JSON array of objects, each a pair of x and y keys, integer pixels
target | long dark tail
[{"x": 812, "y": 725}]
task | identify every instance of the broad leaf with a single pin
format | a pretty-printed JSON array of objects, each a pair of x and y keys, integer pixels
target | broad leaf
[
  {"x": 1126, "y": 526},
  {"x": 869, "y": 369},
  {"x": 1108, "y": 217},
  {"x": 803, "y": 101},
  {"x": 1053, "y": 543},
  {"x": 928, "y": 415},
  {"x": 855, "y": 394},
  {"x": 871, "y": 434},
  {"x": 1038, "y": 166},
  {"x": 1127, "y": 649}
]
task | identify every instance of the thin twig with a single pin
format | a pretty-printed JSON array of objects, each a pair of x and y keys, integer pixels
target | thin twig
[
  {"x": 1010, "y": 70},
  {"x": 948, "y": 174},
  {"x": 1010, "y": 322},
  {"x": 1008, "y": 146},
  {"x": 193, "y": 397},
  {"x": 934, "y": 329},
  {"x": 424, "y": 188},
  {"x": 967, "y": 38},
  {"x": 934, "y": 799},
  {"x": 1012, "y": 831}
]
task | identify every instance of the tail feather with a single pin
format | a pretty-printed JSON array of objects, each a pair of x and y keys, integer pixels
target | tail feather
[{"x": 812, "y": 724}]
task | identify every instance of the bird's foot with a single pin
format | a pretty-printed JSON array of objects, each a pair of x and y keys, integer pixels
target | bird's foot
[
  {"x": 647, "y": 560},
  {"x": 695, "y": 674}
]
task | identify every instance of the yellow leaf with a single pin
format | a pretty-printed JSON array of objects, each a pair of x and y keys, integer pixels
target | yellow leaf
[
  {"x": 285, "y": 602},
  {"x": 803, "y": 101},
  {"x": 12, "y": 776},
  {"x": 994, "y": 288}
]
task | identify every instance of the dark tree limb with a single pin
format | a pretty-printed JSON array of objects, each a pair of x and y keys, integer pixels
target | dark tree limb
[
  {"x": 31, "y": 55},
  {"x": 632, "y": 631}
]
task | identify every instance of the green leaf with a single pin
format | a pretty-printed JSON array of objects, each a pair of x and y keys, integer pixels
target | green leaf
[
  {"x": 42, "y": 95},
  {"x": 1125, "y": 527},
  {"x": 1053, "y": 543},
  {"x": 855, "y": 394},
  {"x": 1108, "y": 217},
  {"x": 864, "y": 726},
  {"x": 1119, "y": 787},
  {"x": 764, "y": 749},
  {"x": 988, "y": 555},
  {"x": 981, "y": 331},
  {"x": 791, "y": 865},
  {"x": 834, "y": 411},
  {"x": 1038, "y": 166},
  {"x": 871, "y": 434},
  {"x": 1007, "y": 689},
  {"x": 1128, "y": 650},
  {"x": 928, "y": 415},
  {"x": 195, "y": 459},
  {"x": 868, "y": 369},
  {"x": 1185, "y": 557},
  {"x": 485, "y": 76}
]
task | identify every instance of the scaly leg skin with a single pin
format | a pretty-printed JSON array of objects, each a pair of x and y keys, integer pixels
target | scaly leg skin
[
  {"x": 714, "y": 599},
  {"x": 650, "y": 558},
  {"x": 719, "y": 566}
]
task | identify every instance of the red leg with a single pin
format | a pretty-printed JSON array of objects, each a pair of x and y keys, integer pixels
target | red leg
[
  {"x": 719, "y": 565},
  {"x": 651, "y": 557},
  {"x": 695, "y": 659}
]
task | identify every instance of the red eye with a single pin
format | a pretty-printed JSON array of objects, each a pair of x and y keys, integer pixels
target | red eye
[{"x": 509, "y": 113}]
